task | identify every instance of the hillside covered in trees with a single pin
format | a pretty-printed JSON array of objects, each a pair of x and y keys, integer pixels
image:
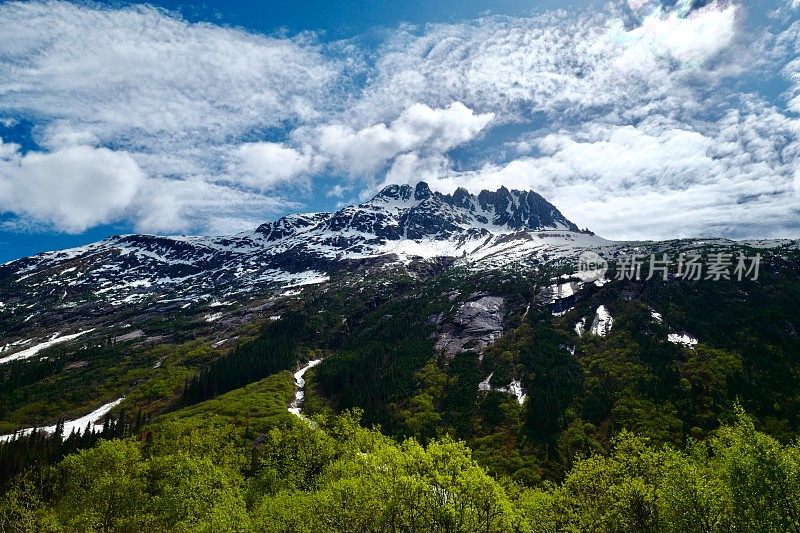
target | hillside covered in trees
[
  {"x": 626, "y": 431},
  {"x": 205, "y": 473}
]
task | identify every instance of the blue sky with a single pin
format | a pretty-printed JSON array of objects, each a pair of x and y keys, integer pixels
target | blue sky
[{"x": 637, "y": 118}]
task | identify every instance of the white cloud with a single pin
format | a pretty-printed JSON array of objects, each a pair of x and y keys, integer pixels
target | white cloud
[
  {"x": 173, "y": 96},
  {"x": 365, "y": 152},
  {"x": 691, "y": 38},
  {"x": 188, "y": 205},
  {"x": 141, "y": 71},
  {"x": 614, "y": 112},
  {"x": 262, "y": 165},
  {"x": 337, "y": 191},
  {"x": 411, "y": 168},
  {"x": 561, "y": 64},
  {"x": 790, "y": 40},
  {"x": 72, "y": 188}
]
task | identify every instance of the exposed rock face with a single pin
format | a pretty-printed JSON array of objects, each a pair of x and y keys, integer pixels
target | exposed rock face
[
  {"x": 476, "y": 324},
  {"x": 559, "y": 297}
]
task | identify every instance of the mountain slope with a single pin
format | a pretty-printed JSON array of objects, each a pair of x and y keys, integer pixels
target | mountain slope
[
  {"x": 403, "y": 228},
  {"x": 433, "y": 316},
  {"x": 399, "y": 227},
  {"x": 406, "y": 277}
]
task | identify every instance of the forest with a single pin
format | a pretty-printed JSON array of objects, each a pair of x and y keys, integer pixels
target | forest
[{"x": 332, "y": 474}]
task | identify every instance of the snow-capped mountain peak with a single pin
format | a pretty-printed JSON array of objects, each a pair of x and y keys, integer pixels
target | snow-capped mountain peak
[{"x": 400, "y": 225}]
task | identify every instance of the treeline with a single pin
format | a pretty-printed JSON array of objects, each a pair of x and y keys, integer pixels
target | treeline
[
  {"x": 274, "y": 350},
  {"x": 335, "y": 476},
  {"x": 39, "y": 448}
]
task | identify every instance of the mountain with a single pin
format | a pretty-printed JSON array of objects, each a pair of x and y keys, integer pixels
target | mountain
[
  {"x": 422, "y": 315},
  {"x": 401, "y": 226}
]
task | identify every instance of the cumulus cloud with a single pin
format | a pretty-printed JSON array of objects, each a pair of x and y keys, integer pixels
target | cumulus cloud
[
  {"x": 72, "y": 188},
  {"x": 262, "y": 165},
  {"x": 418, "y": 128}
]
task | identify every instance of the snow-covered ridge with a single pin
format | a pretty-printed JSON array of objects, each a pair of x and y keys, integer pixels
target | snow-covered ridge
[{"x": 400, "y": 225}]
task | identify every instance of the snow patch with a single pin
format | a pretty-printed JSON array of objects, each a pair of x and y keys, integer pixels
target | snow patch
[
  {"x": 602, "y": 323},
  {"x": 580, "y": 327},
  {"x": 139, "y": 283},
  {"x": 515, "y": 388},
  {"x": 682, "y": 338},
  {"x": 485, "y": 385}
]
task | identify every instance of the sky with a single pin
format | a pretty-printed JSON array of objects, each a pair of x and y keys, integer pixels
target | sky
[{"x": 640, "y": 119}]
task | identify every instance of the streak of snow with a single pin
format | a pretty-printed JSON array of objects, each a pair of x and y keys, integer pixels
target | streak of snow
[
  {"x": 485, "y": 385},
  {"x": 33, "y": 350},
  {"x": 79, "y": 424},
  {"x": 11, "y": 345},
  {"x": 212, "y": 317},
  {"x": 129, "y": 285},
  {"x": 300, "y": 384}
]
